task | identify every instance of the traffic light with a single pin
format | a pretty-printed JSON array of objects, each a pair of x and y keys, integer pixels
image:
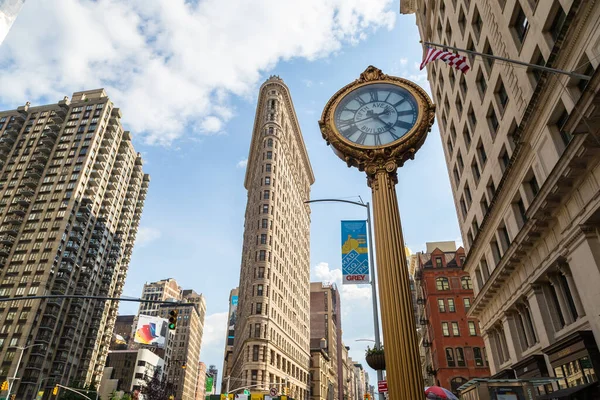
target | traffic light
[
  {"x": 173, "y": 319},
  {"x": 5, "y": 385},
  {"x": 286, "y": 391},
  {"x": 55, "y": 390}
]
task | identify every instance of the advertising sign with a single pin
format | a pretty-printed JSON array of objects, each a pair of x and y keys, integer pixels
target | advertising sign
[
  {"x": 232, "y": 319},
  {"x": 355, "y": 254},
  {"x": 382, "y": 387},
  {"x": 209, "y": 384},
  {"x": 151, "y": 330}
]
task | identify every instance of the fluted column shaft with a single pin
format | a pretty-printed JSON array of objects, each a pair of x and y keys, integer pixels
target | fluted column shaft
[{"x": 404, "y": 375}]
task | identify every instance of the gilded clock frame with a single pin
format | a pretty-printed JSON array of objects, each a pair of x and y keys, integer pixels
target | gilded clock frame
[{"x": 360, "y": 156}]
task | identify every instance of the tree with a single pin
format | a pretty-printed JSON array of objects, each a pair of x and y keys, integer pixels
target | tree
[{"x": 157, "y": 387}]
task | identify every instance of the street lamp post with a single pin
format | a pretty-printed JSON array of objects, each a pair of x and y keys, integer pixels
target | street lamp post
[
  {"x": 373, "y": 277},
  {"x": 14, "y": 378}
]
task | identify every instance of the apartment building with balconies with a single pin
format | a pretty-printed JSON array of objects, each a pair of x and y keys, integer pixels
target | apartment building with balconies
[{"x": 72, "y": 192}]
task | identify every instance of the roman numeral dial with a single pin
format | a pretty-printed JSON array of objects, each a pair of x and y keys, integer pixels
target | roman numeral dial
[{"x": 376, "y": 115}]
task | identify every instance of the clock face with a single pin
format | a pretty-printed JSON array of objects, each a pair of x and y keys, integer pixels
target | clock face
[{"x": 376, "y": 114}]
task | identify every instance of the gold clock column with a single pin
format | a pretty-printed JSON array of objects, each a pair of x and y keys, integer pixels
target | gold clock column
[{"x": 404, "y": 377}]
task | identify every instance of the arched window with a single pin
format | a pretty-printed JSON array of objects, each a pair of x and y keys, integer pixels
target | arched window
[
  {"x": 442, "y": 283},
  {"x": 270, "y": 143},
  {"x": 466, "y": 282},
  {"x": 270, "y": 130}
]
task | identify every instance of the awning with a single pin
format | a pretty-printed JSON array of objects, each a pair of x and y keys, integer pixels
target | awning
[{"x": 565, "y": 394}]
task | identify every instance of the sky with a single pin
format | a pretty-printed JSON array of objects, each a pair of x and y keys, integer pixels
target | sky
[{"x": 186, "y": 76}]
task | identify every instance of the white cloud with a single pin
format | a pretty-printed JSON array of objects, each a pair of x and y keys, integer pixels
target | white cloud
[
  {"x": 242, "y": 163},
  {"x": 146, "y": 235},
  {"x": 322, "y": 272},
  {"x": 215, "y": 328},
  {"x": 403, "y": 61},
  {"x": 307, "y": 82},
  {"x": 172, "y": 65}
]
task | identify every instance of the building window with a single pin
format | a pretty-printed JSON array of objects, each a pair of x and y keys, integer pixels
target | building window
[
  {"x": 557, "y": 21},
  {"x": 267, "y": 180},
  {"x": 269, "y": 155},
  {"x": 265, "y": 208},
  {"x": 472, "y": 329},
  {"x": 255, "y": 349},
  {"x": 501, "y": 95},
  {"x": 478, "y": 357},
  {"x": 466, "y": 283},
  {"x": 481, "y": 84},
  {"x": 451, "y": 306},
  {"x": 467, "y": 303},
  {"x": 560, "y": 124},
  {"x": 450, "y": 357},
  {"x": 445, "y": 329},
  {"x": 475, "y": 171},
  {"x": 265, "y": 223},
  {"x": 520, "y": 23},
  {"x": 262, "y": 255},
  {"x": 455, "y": 330},
  {"x": 267, "y": 167},
  {"x": 263, "y": 238},
  {"x": 438, "y": 262},
  {"x": 259, "y": 290},
  {"x": 460, "y": 357},
  {"x": 270, "y": 143},
  {"x": 441, "y": 305},
  {"x": 261, "y": 272},
  {"x": 493, "y": 121},
  {"x": 442, "y": 283},
  {"x": 266, "y": 195}
]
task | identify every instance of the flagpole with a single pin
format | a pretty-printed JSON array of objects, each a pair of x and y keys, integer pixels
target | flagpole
[{"x": 540, "y": 67}]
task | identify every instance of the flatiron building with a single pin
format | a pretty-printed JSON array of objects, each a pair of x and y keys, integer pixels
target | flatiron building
[{"x": 272, "y": 334}]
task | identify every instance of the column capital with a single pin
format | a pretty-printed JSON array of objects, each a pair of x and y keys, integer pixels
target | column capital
[{"x": 374, "y": 169}]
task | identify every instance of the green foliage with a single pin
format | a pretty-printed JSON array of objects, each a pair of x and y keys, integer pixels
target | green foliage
[
  {"x": 157, "y": 388},
  {"x": 126, "y": 396},
  {"x": 374, "y": 351}
]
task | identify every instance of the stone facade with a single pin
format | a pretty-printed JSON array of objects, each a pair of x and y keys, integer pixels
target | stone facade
[
  {"x": 72, "y": 192},
  {"x": 522, "y": 151},
  {"x": 325, "y": 341},
  {"x": 272, "y": 332}
]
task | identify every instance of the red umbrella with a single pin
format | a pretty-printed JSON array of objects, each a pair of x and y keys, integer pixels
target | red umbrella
[{"x": 437, "y": 392}]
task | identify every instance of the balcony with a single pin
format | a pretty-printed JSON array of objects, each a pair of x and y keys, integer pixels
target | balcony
[
  {"x": 51, "y": 312},
  {"x": 4, "y": 250},
  {"x": 14, "y": 219},
  {"x": 83, "y": 215},
  {"x": 49, "y": 134},
  {"x": 79, "y": 227},
  {"x": 92, "y": 253},
  {"x": 41, "y": 157},
  {"x": 94, "y": 244},
  {"x": 37, "y": 166},
  {"x": 102, "y": 157},
  {"x": 12, "y": 230},
  {"x": 76, "y": 236},
  {"x": 73, "y": 246},
  {"x": 112, "y": 261},
  {"x": 74, "y": 311},
  {"x": 53, "y": 127},
  {"x": 423, "y": 321},
  {"x": 7, "y": 239},
  {"x": 32, "y": 183},
  {"x": 59, "y": 288}
]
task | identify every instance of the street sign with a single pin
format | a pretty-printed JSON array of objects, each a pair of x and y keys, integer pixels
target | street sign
[
  {"x": 246, "y": 392},
  {"x": 273, "y": 392},
  {"x": 382, "y": 386}
]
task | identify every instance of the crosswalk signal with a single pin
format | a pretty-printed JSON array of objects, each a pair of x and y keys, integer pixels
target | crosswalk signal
[
  {"x": 5, "y": 385},
  {"x": 173, "y": 319},
  {"x": 286, "y": 391},
  {"x": 55, "y": 390}
]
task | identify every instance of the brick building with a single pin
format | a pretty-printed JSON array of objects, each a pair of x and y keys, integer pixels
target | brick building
[{"x": 444, "y": 294}]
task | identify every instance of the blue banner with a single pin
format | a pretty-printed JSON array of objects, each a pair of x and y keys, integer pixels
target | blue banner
[{"x": 355, "y": 253}]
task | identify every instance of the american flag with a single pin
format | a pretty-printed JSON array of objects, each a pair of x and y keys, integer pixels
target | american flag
[{"x": 454, "y": 60}]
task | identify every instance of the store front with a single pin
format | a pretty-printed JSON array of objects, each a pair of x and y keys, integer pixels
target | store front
[
  {"x": 575, "y": 361},
  {"x": 533, "y": 367}
]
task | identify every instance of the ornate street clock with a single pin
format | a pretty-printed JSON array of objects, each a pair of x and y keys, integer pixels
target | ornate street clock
[
  {"x": 377, "y": 118},
  {"x": 375, "y": 124}
]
